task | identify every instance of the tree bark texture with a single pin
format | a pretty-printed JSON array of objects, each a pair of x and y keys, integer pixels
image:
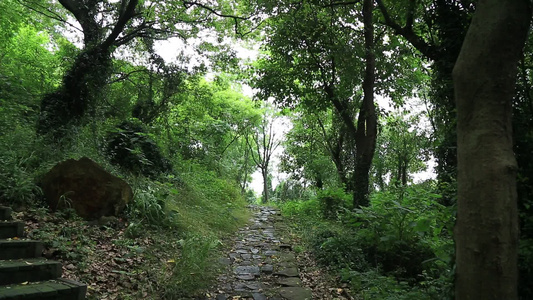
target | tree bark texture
[
  {"x": 486, "y": 231},
  {"x": 366, "y": 135}
]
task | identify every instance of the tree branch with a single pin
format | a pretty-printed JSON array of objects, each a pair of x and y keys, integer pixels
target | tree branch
[
  {"x": 430, "y": 51},
  {"x": 49, "y": 13},
  {"x": 213, "y": 11},
  {"x": 125, "y": 17},
  {"x": 127, "y": 75},
  {"x": 341, "y": 3}
]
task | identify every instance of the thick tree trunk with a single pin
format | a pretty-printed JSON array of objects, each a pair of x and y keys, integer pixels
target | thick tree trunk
[
  {"x": 89, "y": 73},
  {"x": 82, "y": 82},
  {"x": 366, "y": 135},
  {"x": 486, "y": 232}
]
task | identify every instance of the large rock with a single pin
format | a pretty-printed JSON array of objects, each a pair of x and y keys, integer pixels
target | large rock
[{"x": 87, "y": 187}]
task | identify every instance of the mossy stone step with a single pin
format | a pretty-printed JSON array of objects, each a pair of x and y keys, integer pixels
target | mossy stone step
[
  {"x": 61, "y": 289},
  {"x": 15, "y": 249},
  {"x": 28, "y": 270},
  {"x": 5, "y": 213},
  {"x": 24, "y": 274},
  {"x": 11, "y": 229}
]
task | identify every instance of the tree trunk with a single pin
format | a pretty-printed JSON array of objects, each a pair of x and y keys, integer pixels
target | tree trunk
[
  {"x": 89, "y": 73},
  {"x": 366, "y": 135},
  {"x": 83, "y": 81},
  {"x": 486, "y": 232},
  {"x": 244, "y": 179},
  {"x": 264, "y": 172}
]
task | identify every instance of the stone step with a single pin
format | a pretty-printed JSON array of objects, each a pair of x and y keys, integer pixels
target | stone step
[
  {"x": 5, "y": 213},
  {"x": 17, "y": 249},
  {"x": 61, "y": 289},
  {"x": 28, "y": 270},
  {"x": 11, "y": 229}
]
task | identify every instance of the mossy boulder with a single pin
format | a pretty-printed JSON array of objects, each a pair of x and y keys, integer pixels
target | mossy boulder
[{"x": 85, "y": 186}]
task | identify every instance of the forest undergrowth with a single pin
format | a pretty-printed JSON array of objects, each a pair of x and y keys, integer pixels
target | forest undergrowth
[
  {"x": 400, "y": 247},
  {"x": 163, "y": 246},
  {"x": 145, "y": 253}
]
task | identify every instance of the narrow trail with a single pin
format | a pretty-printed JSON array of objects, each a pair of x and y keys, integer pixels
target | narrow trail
[{"x": 260, "y": 265}]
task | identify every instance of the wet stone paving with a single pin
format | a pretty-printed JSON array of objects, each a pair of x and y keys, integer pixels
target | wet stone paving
[{"x": 260, "y": 265}]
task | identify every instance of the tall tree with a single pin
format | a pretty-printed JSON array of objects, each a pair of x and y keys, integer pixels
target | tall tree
[
  {"x": 402, "y": 149},
  {"x": 436, "y": 28},
  {"x": 486, "y": 231},
  {"x": 262, "y": 143},
  {"x": 318, "y": 57},
  {"x": 367, "y": 122},
  {"x": 313, "y": 150},
  {"x": 107, "y": 25}
]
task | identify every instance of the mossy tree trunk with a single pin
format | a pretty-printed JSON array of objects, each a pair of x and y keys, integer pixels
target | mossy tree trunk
[
  {"x": 486, "y": 232},
  {"x": 92, "y": 67}
]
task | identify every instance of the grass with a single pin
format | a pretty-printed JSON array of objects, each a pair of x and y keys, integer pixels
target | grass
[{"x": 165, "y": 246}]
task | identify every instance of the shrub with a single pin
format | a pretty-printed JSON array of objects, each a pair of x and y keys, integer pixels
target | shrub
[
  {"x": 332, "y": 202},
  {"x": 17, "y": 166},
  {"x": 371, "y": 284},
  {"x": 404, "y": 231},
  {"x": 338, "y": 250},
  {"x": 193, "y": 270},
  {"x": 130, "y": 147},
  {"x": 308, "y": 209}
]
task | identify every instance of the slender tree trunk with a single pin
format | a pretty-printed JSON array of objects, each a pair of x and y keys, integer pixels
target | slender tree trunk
[
  {"x": 264, "y": 172},
  {"x": 366, "y": 135},
  {"x": 244, "y": 178},
  {"x": 486, "y": 232},
  {"x": 404, "y": 173}
]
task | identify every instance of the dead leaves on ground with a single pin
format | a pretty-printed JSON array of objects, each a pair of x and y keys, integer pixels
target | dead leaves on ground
[{"x": 112, "y": 265}]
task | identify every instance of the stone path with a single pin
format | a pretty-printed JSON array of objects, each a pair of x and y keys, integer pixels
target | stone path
[{"x": 260, "y": 265}]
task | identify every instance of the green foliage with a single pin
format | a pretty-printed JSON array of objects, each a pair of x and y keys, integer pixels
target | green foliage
[
  {"x": 407, "y": 231},
  {"x": 338, "y": 249},
  {"x": 288, "y": 190},
  {"x": 148, "y": 206},
  {"x": 208, "y": 124},
  {"x": 309, "y": 210},
  {"x": 373, "y": 285},
  {"x": 308, "y": 149},
  {"x": 17, "y": 164},
  {"x": 193, "y": 269},
  {"x": 400, "y": 247},
  {"x": 402, "y": 149},
  {"x": 207, "y": 204},
  {"x": 333, "y": 202},
  {"x": 132, "y": 148}
]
